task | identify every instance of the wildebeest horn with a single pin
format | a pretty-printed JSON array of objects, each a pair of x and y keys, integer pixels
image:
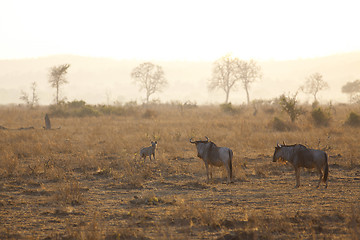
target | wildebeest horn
[
  {"x": 277, "y": 144},
  {"x": 207, "y": 139},
  {"x": 191, "y": 141}
]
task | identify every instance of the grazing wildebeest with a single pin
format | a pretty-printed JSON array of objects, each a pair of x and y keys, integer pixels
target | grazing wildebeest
[
  {"x": 214, "y": 156},
  {"x": 300, "y": 156},
  {"x": 148, "y": 151}
]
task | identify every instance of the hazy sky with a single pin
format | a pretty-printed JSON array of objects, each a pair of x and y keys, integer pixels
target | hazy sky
[{"x": 179, "y": 30}]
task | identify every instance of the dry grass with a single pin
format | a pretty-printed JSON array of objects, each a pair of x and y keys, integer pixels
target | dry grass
[{"x": 87, "y": 181}]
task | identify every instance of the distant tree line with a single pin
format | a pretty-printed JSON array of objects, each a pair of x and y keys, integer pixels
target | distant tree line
[{"x": 228, "y": 73}]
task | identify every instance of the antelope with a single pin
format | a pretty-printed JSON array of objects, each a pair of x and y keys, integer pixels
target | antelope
[{"x": 148, "y": 151}]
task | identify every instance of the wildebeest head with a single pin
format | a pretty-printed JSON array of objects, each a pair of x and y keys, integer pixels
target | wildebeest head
[
  {"x": 200, "y": 146},
  {"x": 277, "y": 152}
]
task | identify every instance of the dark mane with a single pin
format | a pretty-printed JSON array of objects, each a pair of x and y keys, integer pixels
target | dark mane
[
  {"x": 201, "y": 141},
  {"x": 294, "y": 145},
  {"x": 212, "y": 144}
]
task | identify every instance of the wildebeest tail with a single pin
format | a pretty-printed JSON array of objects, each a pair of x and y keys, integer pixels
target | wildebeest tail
[
  {"x": 230, "y": 162},
  {"x": 326, "y": 170}
]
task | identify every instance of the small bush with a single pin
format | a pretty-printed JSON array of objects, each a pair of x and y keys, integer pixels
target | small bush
[
  {"x": 353, "y": 120},
  {"x": 76, "y": 104},
  {"x": 290, "y": 106},
  {"x": 111, "y": 110},
  {"x": 315, "y": 104},
  {"x": 229, "y": 108},
  {"x": 279, "y": 125},
  {"x": 86, "y": 111},
  {"x": 149, "y": 114},
  {"x": 320, "y": 117},
  {"x": 81, "y": 109}
]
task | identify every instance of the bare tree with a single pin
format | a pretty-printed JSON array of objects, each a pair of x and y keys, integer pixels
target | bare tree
[
  {"x": 149, "y": 77},
  {"x": 248, "y": 72},
  {"x": 314, "y": 84},
  {"x": 351, "y": 88},
  {"x": 34, "y": 97},
  {"x": 224, "y": 75},
  {"x": 57, "y": 78}
]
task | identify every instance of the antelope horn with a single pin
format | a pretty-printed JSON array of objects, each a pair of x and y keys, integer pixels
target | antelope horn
[{"x": 191, "y": 141}]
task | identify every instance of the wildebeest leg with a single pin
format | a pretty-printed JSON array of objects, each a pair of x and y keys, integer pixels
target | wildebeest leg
[
  {"x": 321, "y": 176},
  {"x": 297, "y": 174},
  {"x": 211, "y": 170},
  {"x": 207, "y": 172},
  {"x": 226, "y": 165}
]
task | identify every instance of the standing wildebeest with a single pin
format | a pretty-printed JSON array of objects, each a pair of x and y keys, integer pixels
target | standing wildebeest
[
  {"x": 148, "y": 151},
  {"x": 214, "y": 156},
  {"x": 301, "y": 156}
]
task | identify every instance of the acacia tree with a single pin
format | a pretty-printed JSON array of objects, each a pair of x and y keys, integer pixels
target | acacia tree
[
  {"x": 57, "y": 78},
  {"x": 228, "y": 71},
  {"x": 248, "y": 72},
  {"x": 314, "y": 84},
  {"x": 34, "y": 97},
  {"x": 224, "y": 75},
  {"x": 351, "y": 88},
  {"x": 149, "y": 77}
]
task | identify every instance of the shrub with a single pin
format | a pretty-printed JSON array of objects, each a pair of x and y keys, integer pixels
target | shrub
[
  {"x": 86, "y": 110},
  {"x": 58, "y": 111},
  {"x": 320, "y": 117},
  {"x": 111, "y": 110},
  {"x": 290, "y": 106},
  {"x": 149, "y": 114},
  {"x": 81, "y": 109},
  {"x": 315, "y": 104},
  {"x": 353, "y": 120},
  {"x": 76, "y": 104},
  {"x": 229, "y": 108},
  {"x": 279, "y": 125}
]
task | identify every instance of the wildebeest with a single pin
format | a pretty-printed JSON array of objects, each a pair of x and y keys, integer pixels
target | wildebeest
[
  {"x": 148, "y": 151},
  {"x": 214, "y": 156},
  {"x": 300, "y": 156}
]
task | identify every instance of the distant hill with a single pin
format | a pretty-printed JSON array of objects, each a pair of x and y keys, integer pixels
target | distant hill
[{"x": 97, "y": 80}]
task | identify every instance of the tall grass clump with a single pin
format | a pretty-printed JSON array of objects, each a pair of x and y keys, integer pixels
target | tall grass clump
[{"x": 70, "y": 193}]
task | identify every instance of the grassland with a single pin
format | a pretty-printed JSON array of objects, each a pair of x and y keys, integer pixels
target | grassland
[{"x": 87, "y": 181}]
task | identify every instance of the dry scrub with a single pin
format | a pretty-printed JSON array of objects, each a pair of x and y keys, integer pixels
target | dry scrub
[{"x": 87, "y": 180}]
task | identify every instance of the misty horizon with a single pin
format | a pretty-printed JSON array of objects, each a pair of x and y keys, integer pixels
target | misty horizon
[{"x": 105, "y": 80}]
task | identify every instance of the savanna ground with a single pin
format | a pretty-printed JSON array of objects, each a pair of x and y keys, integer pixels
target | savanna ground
[{"x": 87, "y": 181}]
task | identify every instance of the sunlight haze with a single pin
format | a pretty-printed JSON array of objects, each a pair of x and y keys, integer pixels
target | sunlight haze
[
  {"x": 178, "y": 30},
  {"x": 104, "y": 41}
]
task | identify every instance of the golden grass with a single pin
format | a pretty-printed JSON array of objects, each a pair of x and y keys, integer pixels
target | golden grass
[{"x": 87, "y": 180}]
